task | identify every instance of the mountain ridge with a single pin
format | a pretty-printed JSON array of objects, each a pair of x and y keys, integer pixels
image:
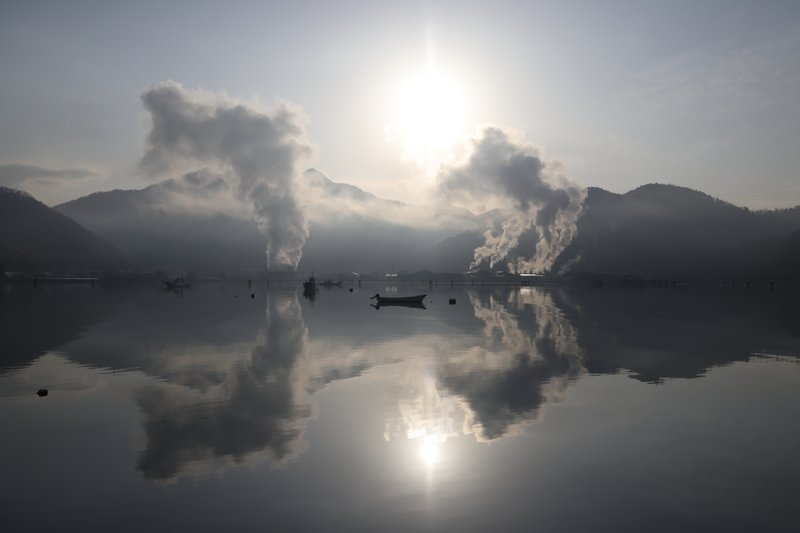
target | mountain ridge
[
  {"x": 35, "y": 237},
  {"x": 654, "y": 230},
  {"x": 659, "y": 230}
]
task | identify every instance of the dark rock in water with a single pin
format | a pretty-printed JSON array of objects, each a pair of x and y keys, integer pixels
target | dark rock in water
[
  {"x": 41, "y": 392},
  {"x": 452, "y": 301},
  {"x": 351, "y": 289},
  {"x": 253, "y": 295}
]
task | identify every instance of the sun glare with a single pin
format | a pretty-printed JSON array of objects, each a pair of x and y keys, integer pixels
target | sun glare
[
  {"x": 429, "y": 453},
  {"x": 427, "y": 119}
]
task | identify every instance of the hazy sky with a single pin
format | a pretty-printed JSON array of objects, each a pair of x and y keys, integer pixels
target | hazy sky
[{"x": 702, "y": 94}]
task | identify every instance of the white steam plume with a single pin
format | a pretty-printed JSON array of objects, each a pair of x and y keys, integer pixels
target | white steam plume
[
  {"x": 505, "y": 174},
  {"x": 260, "y": 150}
]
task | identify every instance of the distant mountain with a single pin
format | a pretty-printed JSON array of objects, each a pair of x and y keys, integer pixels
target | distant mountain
[
  {"x": 172, "y": 225},
  {"x": 652, "y": 231},
  {"x": 34, "y": 237},
  {"x": 669, "y": 231},
  {"x": 344, "y": 191},
  {"x": 455, "y": 254},
  {"x": 355, "y": 231},
  {"x": 178, "y": 223}
]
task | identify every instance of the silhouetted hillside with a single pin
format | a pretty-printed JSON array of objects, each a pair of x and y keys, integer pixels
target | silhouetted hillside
[
  {"x": 34, "y": 237},
  {"x": 454, "y": 254},
  {"x": 668, "y": 231}
]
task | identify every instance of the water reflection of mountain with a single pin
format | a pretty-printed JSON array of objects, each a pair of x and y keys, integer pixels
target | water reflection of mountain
[
  {"x": 34, "y": 320},
  {"x": 657, "y": 334},
  {"x": 226, "y": 389},
  {"x": 187, "y": 341},
  {"x": 230, "y": 378},
  {"x": 535, "y": 342}
]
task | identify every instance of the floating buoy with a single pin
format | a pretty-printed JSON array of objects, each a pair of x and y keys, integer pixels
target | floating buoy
[
  {"x": 41, "y": 392},
  {"x": 452, "y": 301}
]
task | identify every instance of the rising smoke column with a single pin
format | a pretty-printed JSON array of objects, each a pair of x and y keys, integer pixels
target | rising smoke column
[
  {"x": 506, "y": 174},
  {"x": 259, "y": 150}
]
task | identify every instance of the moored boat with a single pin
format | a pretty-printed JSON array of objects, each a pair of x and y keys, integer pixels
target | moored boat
[{"x": 384, "y": 300}]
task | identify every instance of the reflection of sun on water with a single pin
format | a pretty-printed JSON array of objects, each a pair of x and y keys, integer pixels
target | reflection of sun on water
[{"x": 428, "y": 418}]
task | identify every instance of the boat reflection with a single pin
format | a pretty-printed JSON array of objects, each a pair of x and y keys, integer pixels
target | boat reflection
[
  {"x": 412, "y": 305},
  {"x": 310, "y": 294}
]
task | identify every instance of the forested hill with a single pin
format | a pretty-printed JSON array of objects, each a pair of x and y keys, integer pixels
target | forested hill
[{"x": 664, "y": 230}]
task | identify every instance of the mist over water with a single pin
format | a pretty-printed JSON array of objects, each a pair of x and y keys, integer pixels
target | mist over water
[{"x": 211, "y": 399}]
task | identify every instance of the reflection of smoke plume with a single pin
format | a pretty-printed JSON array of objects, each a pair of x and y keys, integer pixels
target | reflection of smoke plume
[
  {"x": 523, "y": 363},
  {"x": 260, "y": 149},
  {"x": 426, "y": 414},
  {"x": 492, "y": 386},
  {"x": 259, "y": 410},
  {"x": 509, "y": 175}
]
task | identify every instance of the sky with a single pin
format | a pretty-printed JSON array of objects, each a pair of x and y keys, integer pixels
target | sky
[{"x": 704, "y": 94}]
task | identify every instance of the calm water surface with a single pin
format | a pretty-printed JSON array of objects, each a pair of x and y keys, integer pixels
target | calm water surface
[{"x": 517, "y": 409}]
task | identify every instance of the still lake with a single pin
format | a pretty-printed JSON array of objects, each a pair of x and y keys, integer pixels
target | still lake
[{"x": 516, "y": 409}]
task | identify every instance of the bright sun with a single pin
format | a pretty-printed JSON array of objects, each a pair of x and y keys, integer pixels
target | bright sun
[
  {"x": 427, "y": 119},
  {"x": 429, "y": 453}
]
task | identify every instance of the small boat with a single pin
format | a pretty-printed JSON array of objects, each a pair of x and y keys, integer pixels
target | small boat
[
  {"x": 177, "y": 283},
  {"x": 388, "y": 300},
  {"x": 310, "y": 285},
  {"x": 329, "y": 283}
]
